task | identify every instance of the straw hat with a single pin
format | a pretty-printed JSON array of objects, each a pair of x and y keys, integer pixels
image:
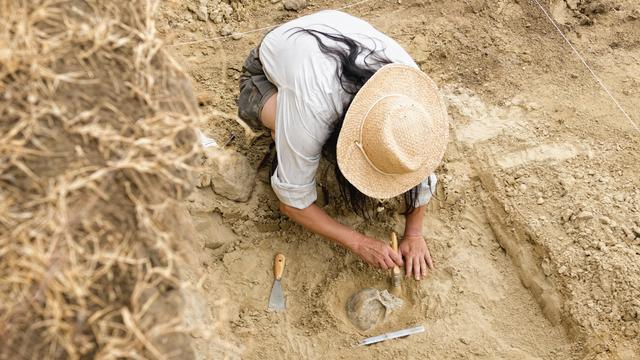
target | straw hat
[{"x": 394, "y": 133}]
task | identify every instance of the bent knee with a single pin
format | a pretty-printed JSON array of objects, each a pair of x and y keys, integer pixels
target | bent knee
[{"x": 268, "y": 112}]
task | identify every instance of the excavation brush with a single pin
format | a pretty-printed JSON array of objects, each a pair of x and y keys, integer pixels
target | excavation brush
[{"x": 396, "y": 273}]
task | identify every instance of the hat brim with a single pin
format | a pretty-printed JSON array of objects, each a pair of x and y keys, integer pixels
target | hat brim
[{"x": 401, "y": 80}]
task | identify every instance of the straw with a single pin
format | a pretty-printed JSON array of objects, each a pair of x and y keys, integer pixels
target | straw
[{"x": 97, "y": 142}]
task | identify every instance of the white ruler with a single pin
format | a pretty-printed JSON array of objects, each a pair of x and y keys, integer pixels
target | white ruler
[{"x": 392, "y": 335}]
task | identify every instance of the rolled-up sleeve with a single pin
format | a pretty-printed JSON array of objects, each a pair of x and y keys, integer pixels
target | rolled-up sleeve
[
  {"x": 426, "y": 189},
  {"x": 298, "y": 148},
  {"x": 294, "y": 180},
  {"x": 297, "y": 196}
]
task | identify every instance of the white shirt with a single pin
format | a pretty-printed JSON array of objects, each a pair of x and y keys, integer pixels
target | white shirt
[{"x": 310, "y": 97}]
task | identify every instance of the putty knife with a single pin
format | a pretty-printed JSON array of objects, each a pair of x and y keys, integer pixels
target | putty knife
[{"x": 276, "y": 300}]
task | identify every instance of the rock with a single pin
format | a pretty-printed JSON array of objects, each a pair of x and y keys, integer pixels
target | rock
[
  {"x": 198, "y": 334},
  {"x": 236, "y": 36},
  {"x": 567, "y": 182},
  {"x": 584, "y": 215},
  {"x": 200, "y": 9},
  {"x": 585, "y": 20},
  {"x": 285, "y": 224},
  {"x": 212, "y": 232},
  {"x": 628, "y": 233},
  {"x": 633, "y": 16},
  {"x": 532, "y": 106},
  {"x": 465, "y": 340},
  {"x": 546, "y": 267},
  {"x": 226, "y": 30},
  {"x": 294, "y": 5},
  {"x": 540, "y": 201},
  {"x": 370, "y": 307},
  {"x": 596, "y": 8},
  {"x": 229, "y": 174},
  {"x": 566, "y": 215},
  {"x": 221, "y": 12},
  {"x": 601, "y": 246},
  {"x": 216, "y": 17},
  {"x": 605, "y": 220},
  {"x": 227, "y": 10},
  {"x": 212, "y": 244}
]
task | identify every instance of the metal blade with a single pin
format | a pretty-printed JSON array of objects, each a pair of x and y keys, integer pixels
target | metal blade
[{"x": 276, "y": 300}]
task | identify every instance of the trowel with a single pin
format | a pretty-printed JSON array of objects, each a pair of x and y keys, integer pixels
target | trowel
[{"x": 276, "y": 300}]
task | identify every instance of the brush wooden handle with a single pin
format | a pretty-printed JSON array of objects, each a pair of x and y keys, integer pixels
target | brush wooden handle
[
  {"x": 278, "y": 266},
  {"x": 394, "y": 245},
  {"x": 394, "y": 241}
]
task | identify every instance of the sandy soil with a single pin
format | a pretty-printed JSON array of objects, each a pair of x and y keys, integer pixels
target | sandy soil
[{"x": 536, "y": 228}]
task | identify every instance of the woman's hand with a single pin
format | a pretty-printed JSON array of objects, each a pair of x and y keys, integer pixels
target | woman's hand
[
  {"x": 377, "y": 253},
  {"x": 416, "y": 256},
  {"x": 374, "y": 252}
]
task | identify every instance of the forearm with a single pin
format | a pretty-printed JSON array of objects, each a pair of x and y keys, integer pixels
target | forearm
[
  {"x": 318, "y": 221},
  {"x": 413, "y": 224}
]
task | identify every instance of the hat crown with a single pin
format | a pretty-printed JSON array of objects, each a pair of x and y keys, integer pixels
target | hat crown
[{"x": 393, "y": 134}]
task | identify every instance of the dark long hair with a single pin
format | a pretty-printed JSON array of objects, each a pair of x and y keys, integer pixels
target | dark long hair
[{"x": 352, "y": 77}]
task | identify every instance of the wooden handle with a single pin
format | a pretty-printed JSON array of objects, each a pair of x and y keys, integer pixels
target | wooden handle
[
  {"x": 394, "y": 241},
  {"x": 394, "y": 245},
  {"x": 278, "y": 266}
]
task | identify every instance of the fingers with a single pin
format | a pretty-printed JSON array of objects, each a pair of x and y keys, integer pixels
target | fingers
[
  {"x": 382, "y": 264},
  {"x": 395, "y": 256},
  {"x": 385, "y": 262},
  {"x": 389, "y": 262},
  {"x": 429, "y": 261},
  {"x": 408, "y": 266},
  {"x": 423, "y": 267},
  {"x": 416, "y": 269}
]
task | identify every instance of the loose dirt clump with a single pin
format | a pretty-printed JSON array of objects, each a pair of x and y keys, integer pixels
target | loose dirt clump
[{"x": 96, "y": 148}]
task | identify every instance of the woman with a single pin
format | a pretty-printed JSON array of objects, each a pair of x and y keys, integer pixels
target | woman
[{"x": 329, "y": 83}]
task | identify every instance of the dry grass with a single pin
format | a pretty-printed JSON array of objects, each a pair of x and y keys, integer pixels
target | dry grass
[{"x": 96, "y": 142}]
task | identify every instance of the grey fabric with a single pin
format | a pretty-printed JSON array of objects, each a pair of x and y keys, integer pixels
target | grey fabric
[{"x": 255, "y": 90}]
